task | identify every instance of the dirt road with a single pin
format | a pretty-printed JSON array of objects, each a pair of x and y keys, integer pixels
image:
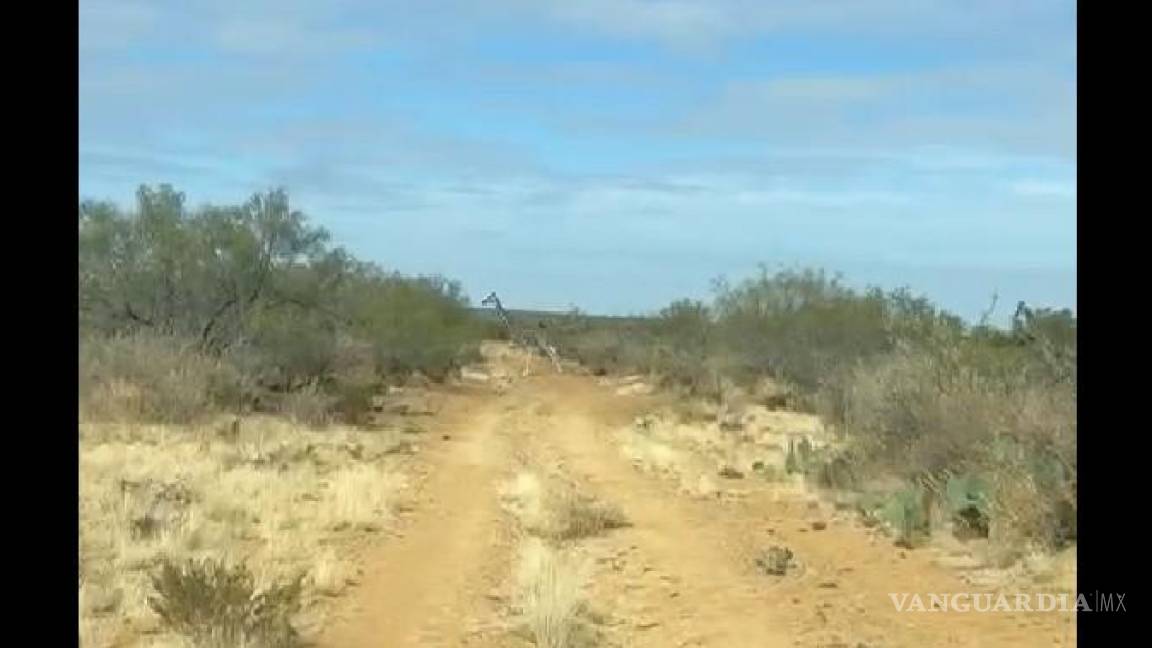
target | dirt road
[{"x": 683, "y": 573}]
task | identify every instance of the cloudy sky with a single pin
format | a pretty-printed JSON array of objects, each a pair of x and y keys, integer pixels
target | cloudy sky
[{"x": 614, "y": 154}]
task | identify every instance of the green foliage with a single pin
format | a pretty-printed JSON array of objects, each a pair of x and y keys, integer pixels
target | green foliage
[
  {"x": 415, "y": 324},
  {"x": 800, "y": 326},
  {"x": 906, "y": 512},
  {"x": 917, "y": 392},
  {"x": 218, "y": 606},
  {"x": 607, "y": 345},
  {"x": 172, "y": 271},
  {"x": 964, "y": 491},
  {"x": 256, "y": 287},
  {"x": 968, "y": 498}
]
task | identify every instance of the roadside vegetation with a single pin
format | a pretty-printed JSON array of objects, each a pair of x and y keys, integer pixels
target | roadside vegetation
[
  {"x": 188, "y": 312},
  {"x": 978, "y": 422},
  {"x": 231, "y": 358}
]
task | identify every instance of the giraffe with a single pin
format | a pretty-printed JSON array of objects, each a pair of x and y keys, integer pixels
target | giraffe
[{"x": 533, "y": 341}]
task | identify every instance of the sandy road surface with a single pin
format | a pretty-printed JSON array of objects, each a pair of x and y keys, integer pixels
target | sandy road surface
[{"x": 682, "y": 575}]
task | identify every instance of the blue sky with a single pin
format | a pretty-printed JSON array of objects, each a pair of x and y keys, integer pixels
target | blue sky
[{"x": 614, "y": 154}]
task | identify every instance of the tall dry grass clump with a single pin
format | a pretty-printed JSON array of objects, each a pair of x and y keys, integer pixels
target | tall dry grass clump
[
  {"x": 152, "y": 378},
  {"x": 557, "y": 511},
  {"x": 550, "y": 582},
  {"x": 554, "y": 516}
]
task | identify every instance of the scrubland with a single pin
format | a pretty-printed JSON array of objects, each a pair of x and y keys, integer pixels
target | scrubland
[{"x": 252, "y": 402}]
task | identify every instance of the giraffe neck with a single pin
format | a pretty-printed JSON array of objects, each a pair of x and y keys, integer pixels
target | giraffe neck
[{"x": 503, "y": 314}]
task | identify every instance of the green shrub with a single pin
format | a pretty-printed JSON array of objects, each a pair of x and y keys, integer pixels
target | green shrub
[
  {"x": 915, "y": 392},
  {"x": 187, "y": 311}
]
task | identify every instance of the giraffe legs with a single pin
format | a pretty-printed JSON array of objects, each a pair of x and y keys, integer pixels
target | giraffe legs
[
  {"x": 527, "y": 362},
  {"x": 554, "y": 357},
  {"x": 548, "y": 351}
]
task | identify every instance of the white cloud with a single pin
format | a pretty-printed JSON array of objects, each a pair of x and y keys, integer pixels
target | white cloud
[
  {"x": 1044, "y": 189},
  {"x": 1006, "y": 108},
  {"x": 812, "y": 165},
  {"x": 672, "y": 22},
  {"x": 697, "y": 22}
]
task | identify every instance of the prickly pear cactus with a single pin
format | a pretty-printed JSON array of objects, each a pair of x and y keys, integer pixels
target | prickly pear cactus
[
  {"x": 968, "y": 498},
  {"x": 906, "y": 513},
  {"x": 966, "y": 491}
]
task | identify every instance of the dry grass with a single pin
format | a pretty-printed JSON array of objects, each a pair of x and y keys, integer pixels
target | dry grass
[
  {"x": 552, "y": 569},
  {"x": 308, "y": 406},
  {"x": 550, "y": 584},
  {"x": 702, "y": 453},
  {"x": 557, "y": 511},
  {"x": 573, "y": 515},
  {"x": 152, "y": 378},
  {"x": 928, "y": 416},
  {"x": 282, "y": 498}
]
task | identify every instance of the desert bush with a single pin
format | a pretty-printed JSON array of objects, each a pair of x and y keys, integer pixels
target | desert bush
[
  {"x": 929, "y": 414},
  {"x": 799, "y": 327},
  {"x": 351, "y": 401},
  {"x": 414, "y": 324},
  {"x": 308, "y": 405},
  {"x": 557, "y": 511},
  {"x": 776, "y": 560},
  {"x": 219, "y": 606},
  {"x": 1032, "y": 496},
  {"x": 571, "y": 515},
  {"x": 607, "y": 346},
  {"x": 179, "y": 306},
  {"x": 915, "y": 391},
  {"x": 798, "y": 324},
  {"x": 292, "y": 348},
  {"x": 154, "y": 378}
]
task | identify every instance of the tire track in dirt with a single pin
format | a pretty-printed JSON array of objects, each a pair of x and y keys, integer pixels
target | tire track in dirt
[
  {"x": 664, "y": 581},
  {"x": 426, "y": 586}
]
